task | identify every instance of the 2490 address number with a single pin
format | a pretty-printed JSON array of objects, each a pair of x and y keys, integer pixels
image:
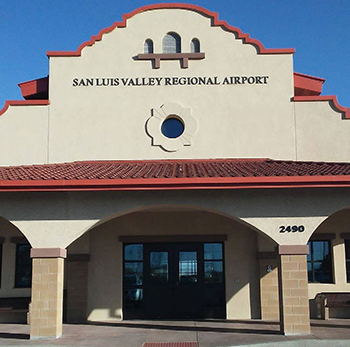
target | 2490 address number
[{"x": 292, "y": 228}]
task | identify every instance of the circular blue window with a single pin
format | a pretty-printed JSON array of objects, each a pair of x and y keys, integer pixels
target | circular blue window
[{"x": 172, "y": 128}]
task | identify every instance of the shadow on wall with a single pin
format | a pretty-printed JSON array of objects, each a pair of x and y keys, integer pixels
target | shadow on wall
[
  {"x": 16, "y": 274},
  {"x": 104, "y": 294},
  {"x": 100, "y": 205}
]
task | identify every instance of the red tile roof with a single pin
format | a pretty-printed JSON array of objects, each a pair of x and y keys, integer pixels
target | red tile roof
[
  {"x": 168, "y": 174},
  {"x": 172, "y": 169}
]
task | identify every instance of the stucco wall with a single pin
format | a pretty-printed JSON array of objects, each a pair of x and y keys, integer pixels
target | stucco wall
[
  {"x": 234, "y": 121},
  {"x": 69, "y": 215},
  {"x": 321, "y": 132},
  {"x": 109, "y": 122},
  {"x": 24, "y": 135}
]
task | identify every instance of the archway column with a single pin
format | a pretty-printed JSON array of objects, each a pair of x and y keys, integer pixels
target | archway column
[
  {"x": 293, "y": 290},
  {"x": 47, "y": 292}
]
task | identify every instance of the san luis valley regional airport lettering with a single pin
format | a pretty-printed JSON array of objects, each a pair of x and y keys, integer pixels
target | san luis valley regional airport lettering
[{"x": 167, "y": 81}]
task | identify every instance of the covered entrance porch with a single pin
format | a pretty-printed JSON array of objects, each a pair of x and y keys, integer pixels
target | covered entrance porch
[
  {"x": 100, "y": 226},
  {"x": 166, "y": 263},
  {"x": 174, "y": 280}
]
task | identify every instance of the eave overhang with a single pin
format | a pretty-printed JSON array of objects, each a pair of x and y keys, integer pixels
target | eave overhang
[
  {"x": 176, "y": 184},
  {"x": 174, "y": 175}
]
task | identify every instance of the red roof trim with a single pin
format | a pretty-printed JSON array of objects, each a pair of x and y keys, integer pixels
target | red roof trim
[
  {"x": 305, "y": 85},
  {"x": 199, "y": 9},
  {"x": 176, "y": 184},
  {"x": 331, "y": 98},
  {"x": 320, "y": 79},
  {"x": 9, "y": 103},
  {"x": 33, "y": 87},
  {"x": 174, "y": 175}
]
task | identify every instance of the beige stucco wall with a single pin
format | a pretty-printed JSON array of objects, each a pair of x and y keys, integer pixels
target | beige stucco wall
[
  {"x": 105, "y": 267},
  {"x": 109, "y": 122},
  {"x": 24, "y": 135},
  {"x": 321, "y": 132},
  {"x": 69, "y": 215}
]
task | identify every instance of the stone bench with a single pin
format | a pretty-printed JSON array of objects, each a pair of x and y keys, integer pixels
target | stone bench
[
  {"x": 14, "y": 310},
  {"x": 327, "y": 301}
]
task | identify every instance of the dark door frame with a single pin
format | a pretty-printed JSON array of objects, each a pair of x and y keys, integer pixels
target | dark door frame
[{"x": 175, "y": 300}]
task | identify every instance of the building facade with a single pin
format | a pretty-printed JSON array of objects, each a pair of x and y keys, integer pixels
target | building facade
[{"x": 138, "y": 180}]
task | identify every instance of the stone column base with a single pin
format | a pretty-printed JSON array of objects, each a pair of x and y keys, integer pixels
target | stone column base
[
  {"x": 47, "y": 293},
  {"x": 293, "y": 290}
]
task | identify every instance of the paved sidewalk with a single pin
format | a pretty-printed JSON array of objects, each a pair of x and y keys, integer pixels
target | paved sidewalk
[{"x": 207, "y": 333}]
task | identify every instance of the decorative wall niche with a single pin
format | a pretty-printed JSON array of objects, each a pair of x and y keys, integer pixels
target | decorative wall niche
[
  {"x": 171, "y": 126},
  {"x": 171, "y": 50}
]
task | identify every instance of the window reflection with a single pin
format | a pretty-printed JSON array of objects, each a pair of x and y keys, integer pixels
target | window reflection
[
  {"x": 213, "y": 272},
  {"x": 347, "y": 255},
  {"x": 159, "y": 268},
  {"x": 188, "y": 267},
  {"x": 133, "y": 276},
  {"x": 212, "y": 251},
  {"x": 319, "y": 262},
  {"x": 23, "y": 277},
  {"x": 133, "y": 273},
  {"x": 134, "y": 252}
]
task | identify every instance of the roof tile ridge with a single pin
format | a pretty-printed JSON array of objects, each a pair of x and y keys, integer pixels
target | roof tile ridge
[
  {"x": 310, "y": 162},
  {"x": 180, "y": 160}
]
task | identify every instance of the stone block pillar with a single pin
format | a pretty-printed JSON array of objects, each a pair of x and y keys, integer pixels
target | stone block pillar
[
  {"x": 47, "y": 293},
  {"x": 77, "y": 287},
  {"x": 268, "y": 262},
  {"x": 293, "y": 290}
]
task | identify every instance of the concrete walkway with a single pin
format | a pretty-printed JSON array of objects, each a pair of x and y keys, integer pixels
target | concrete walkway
[{"x": 207, "y": 333}]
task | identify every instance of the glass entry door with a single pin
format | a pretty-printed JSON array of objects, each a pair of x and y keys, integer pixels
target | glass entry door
[{"x": 174, "y": 281}]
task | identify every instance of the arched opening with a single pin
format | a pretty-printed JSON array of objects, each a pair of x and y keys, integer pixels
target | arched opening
[
  {"x": 16, "y": 273},
  {"x": 195, "y": 46},
  {"x": 148, "y": 47},
  {"x": 171, "y": 43},
  {"x": 129, "y": 255},
  {"x": 329, "y": 261}
]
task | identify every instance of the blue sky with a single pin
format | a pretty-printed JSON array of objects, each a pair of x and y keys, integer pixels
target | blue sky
[{"x": 319, "y": 30}]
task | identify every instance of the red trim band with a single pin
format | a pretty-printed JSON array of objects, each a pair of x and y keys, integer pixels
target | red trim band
[
  {"x": 306, "y": 85},
  {"x": 215, "y": 22},
  {"x": 9, "y": 103},
  {"x": 31, "y": 89},
  {"x": 319, "y": 79},
  {"x": 330, "y": 98},
  {"x": 178, "y": 183}
]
